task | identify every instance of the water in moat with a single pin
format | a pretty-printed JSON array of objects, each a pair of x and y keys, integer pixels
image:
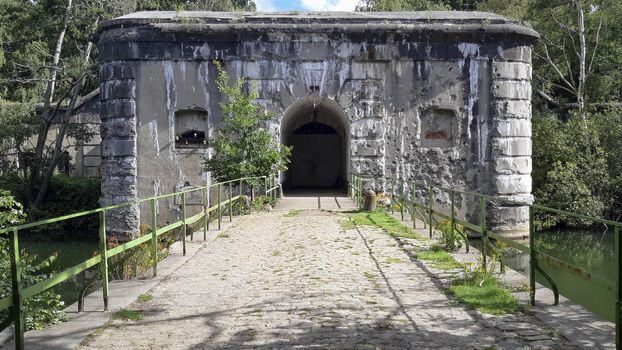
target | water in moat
[{"x": 589, "y": 249}]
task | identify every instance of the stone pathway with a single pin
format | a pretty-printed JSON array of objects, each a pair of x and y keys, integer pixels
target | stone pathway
[{"x": 283, "y": 280}]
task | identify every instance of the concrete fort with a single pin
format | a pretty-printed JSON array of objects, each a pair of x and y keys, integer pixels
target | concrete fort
[{"x": 436, "y": 97}]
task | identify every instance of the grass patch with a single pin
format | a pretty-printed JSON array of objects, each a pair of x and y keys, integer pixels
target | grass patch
[
  {"x": 439, "y": 259},
  {"x": 276, "y": 253},
  {"x": 347, "y": 225},
  {"x": 370, "y": 276},
  {"x": 381, "y": 219},
  {"x": 292, "y": 213},
  {"x": 484, "y": 293},
  {"x": 145, "y": 297},
  {"x": 223, "y": 235},
  {"x": 128, "y": 315},
  {"x": 393, "y": 260}
]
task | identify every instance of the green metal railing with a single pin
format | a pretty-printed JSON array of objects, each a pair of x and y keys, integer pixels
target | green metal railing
[
  {"x": 596, "y": 292},
  {"x": 15, "y": 302}
]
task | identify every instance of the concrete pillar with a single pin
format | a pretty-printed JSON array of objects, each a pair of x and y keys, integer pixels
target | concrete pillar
[
  {"x": 118, "y": 130},
  {"x": 511, "y": 140}
]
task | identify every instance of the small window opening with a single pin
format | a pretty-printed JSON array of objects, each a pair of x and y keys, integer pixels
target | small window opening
[{"x": 191, "y": 128}]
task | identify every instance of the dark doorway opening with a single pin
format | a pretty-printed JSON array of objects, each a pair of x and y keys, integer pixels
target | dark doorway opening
[{"x": 317, "y": 160}]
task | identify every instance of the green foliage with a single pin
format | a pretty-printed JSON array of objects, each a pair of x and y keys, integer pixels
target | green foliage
[
  {"x": 483, "y": 292},
  {"x": 260, "y": 202},
  {"x": 43, "y": 308},
  {"x": 66, "y": 195},
  {"x": 381, "y": 219},
  {"x": 480, "y": 289},
  {"x": 243, "y": 146},
  {"x": 195, "y": 5},
  {"x": 417, "y": 5},
  {"x": 571, "y": 169},
  {"x": 450, "y": 239},
  {"x": 128, "y": 315}
]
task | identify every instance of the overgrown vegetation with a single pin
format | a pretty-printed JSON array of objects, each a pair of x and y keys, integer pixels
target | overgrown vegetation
[
  {"x": 381, "y": 219},
  {"x": 293, "y": 213},
  {"x": 439, "y": 257},
  {"x": 128, "y": 315},
  {"x": 482, "y": 291},
  {"x": 44, "y": 308},
  {"x": 478, "y": 287},
  {"x": 66, "y": 195},
  {"x": 259, "y": 203},
  {"x": 451, "y": 240}
]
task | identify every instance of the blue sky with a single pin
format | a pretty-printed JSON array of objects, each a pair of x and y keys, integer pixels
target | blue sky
[{"x": 306, "y": 5}]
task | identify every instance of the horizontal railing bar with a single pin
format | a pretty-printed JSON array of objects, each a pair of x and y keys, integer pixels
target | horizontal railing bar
[
  {"x": 169, "y": 227},
  {"x": 191, "y": 220},
  {"x": 508, "y": 201},
  {"x": 61, "y": 277},
  {"x": 116, "y": 206},
  {"x": 128, "y": 245},
  {"x": 509, "y": 242}
]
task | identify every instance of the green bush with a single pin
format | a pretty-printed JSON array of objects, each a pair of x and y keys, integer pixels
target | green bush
[
  {"x": 451, "y": 240},
  {"x": 572, "y": 169},
  {"x": 43, "y": 308}
]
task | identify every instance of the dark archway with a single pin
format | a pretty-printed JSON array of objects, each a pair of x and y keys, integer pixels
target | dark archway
[
  {"x": 317, "y": 159},
  {"x": 319, "y": 137}
]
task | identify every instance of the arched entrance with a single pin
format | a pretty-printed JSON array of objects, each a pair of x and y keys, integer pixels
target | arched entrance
[{"x": 317, "y": 130}]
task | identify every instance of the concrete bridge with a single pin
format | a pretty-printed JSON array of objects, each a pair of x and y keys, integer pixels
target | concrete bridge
[{"x": 302, "y": 276}]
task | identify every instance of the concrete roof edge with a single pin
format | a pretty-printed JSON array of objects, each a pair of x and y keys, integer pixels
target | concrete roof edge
[{"x": 402, "y": 22}]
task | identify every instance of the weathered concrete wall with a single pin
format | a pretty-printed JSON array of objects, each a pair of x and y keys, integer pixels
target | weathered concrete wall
[{"x": 442, "y": 98}]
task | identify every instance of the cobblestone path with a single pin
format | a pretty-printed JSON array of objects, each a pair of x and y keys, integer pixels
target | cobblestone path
[{"x": 281, "y": 281}]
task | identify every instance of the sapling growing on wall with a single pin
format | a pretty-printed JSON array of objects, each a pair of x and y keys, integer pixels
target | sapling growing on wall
[{"x": 243, "y": 146}]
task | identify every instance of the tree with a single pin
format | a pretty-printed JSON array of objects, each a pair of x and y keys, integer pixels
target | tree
[
  {"x": 195, "y": 5},
  {"x": 46, "y": 61},
  {"x": 243, "y": 146},
  {"x": 417, "y": 5}
]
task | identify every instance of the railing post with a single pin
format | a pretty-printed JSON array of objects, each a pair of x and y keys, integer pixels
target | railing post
[
  {"x": 265, "y": 185},
  {"x": 402, "y": 200},
  {"x": 103, "y": 251},
  {"x": 219, "y": 213},
  {"x": 618, "y": 251},
  {"x": 482, "y": 225},
  {"x": 392, "y": 197},
  {"x": 154, "y": 237},
  {"x": 532, "y": 257},
  {"x": 413, "y": 213},
  {"x": 230, "y": 202},
  {"x": 452, "y": 195},
  {"x": 16, "y": 284},
  {"x": 241, "y": 194},
  {"x": 430, "y": 208},
  {"x": 183, "y": 222},
  {"x": 205, "y": 214}
]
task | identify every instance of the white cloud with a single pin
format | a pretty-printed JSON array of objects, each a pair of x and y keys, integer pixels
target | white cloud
[
  {"x": 329, "y": 5},
  {"x": 265, "y": 5}
]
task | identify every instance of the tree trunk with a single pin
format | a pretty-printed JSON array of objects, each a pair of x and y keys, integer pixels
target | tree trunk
[
  {"x": 582, "y": 60},
  {"x": 53, "y": 163},
  {"x": 48, "y": 115}
]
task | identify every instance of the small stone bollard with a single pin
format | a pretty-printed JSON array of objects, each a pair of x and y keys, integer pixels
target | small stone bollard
[{"x": 369, "y": 204}]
